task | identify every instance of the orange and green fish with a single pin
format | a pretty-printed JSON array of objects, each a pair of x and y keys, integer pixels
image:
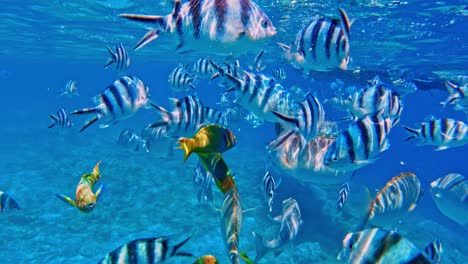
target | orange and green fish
[
  {"x": 215, "y": 164},
  {"x": 207, "y": 259},
  {"x": 85, "y": 198},
  {"x": 209, "y": 139}
]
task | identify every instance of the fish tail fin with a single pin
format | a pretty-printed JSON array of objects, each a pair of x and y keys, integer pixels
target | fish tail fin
[
  {"x": 99, "y": 191},
  {"x": 13, "y": 204},
  {"x": 259, "y": 246},
  {"x": 414, "y": 133},
  {"x": 112, "y": 59},
  {"x": 186, "y": 144},
  {"x": 166, "y": 116},
  {"x": 66, "y": 199},
  {"x": 54, "y": 119},
  {"x": 96, "y": 171},
  {"x": 176, "y": 247}
]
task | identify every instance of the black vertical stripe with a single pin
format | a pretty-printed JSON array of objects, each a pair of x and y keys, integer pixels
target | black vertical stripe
[
  {"x": 314, "y": 37},
  {"x": 337, "y": 44},
  {"x": 188, "y": 105},
  {"x": 164, "y": 249},
  {"x": 331, "y": 31},
  {"x": 432, "y": 128},
  {"x": 385, "y": 245},
  {"x": 129, "y": 85},
  {"x": 246, "y": 84},
  {"x": 256, "y": 87},
  {"x": 443, "y": 129},
  {"x": 150, "y": 248},
  {"x": 423, "y": 130},
  {"x": 267, "y": 93},
  {"x": 378, "y": 129},
  {"x": 132, "y": 252},
  {"x": 246, "y": 9},
  {"x": 365, "y": 137},
  {"x": 117, "y": 96},
  {"x": 300, "y": 46},
  {"x": 3, "y": 198},
  {"x": 349, "y": 145},
  {"x": 107, "y": 103},
  {"x": 221, "y": 8},
  {"x": 196, "y": 17}
]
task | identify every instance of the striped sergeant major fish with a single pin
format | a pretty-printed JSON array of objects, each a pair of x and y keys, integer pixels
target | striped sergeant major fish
[
  {"x": 118, "y": 101},
  {"x": 215, "y": 116},
  {"x": 181, "y": 80},
  {"x": 131, "y": 139},
  {"x": 71, "y": 89},
  {"x": 261, "y": 95},
  {"x": 443, "y": 133},
  {"x": 343, "y": 196},
  {"x": 61, "y": 119},
  {"x": 458, "y": 96},
  {"x": 279, "y": 74},
  {"x": 204, "y": 180},
  {"x": 404, "y": 86},
  {"x": 371, "y": 100},
  {"x": 450, "y": 194},
  {"x": 399, "y": 196},
  {"x": 323, "y": 44},
  {"x": 204, "y": 24},
  {"x": 309, "y": 117},
  {"x": 359, "y": 143},
  {"x": 85, "y": 199},
  {"x": 119, "y": 57},
  {"x": 434, "y": 251},
  {"x": 145, "y": 250},
  {"x": 7, "y": 202},
  {"x": 188, "y": 116},
  {"x": 381, "y": 246},
  {"x": 233, "y": 69},
  {"x": 204, "y": 68},
  {"x": 269, "y": 188},
  {"x": 290, "y": 220}
]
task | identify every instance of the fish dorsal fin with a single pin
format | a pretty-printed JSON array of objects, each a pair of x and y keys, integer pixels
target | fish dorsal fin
[{"x": 346, "y": 25}]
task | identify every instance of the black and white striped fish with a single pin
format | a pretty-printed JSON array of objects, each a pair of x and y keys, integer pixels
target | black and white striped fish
[
  {"x": 450, "y": 194},
  {"x": 399, "y": 196},
  {"x": 321, "y": 45},
  {"x": 118, "y": 101},
  {"x": 188, "y": 116},
  {"x": 404, "y": 86},
  {"x": 279, "y": 74},
  {"x": 360, "y": 143},
  {"x": 310, "y": 116},
  {"x": 231, "y": 223},
  {"x": 181, "y": 80},
  {"x": 145, "y": 250},
  {"x": 214, "y": 116},
  {"x": 61, "y": 119},
  {"x": 204, "y": 180},
  {"x": 443, "y": 133},
  {"x": 371, "y": 100},
  {"x": 261, "y": 95},
  {"x": 290, "y": 220},
  {"x": 381, "y": 246},
  {"x": 458, "y": 95},
  {"x": 269, "y": 188},
  {"x": 343, "y": 196},
  {"x": 7, "y": 203},
  {"x": 71, "y": 89},
  {"x": 119, "y": 57},
  {"x": 204, "y": 68},
  {"x": 434, "y": 251},
  {"x": 129, "y": 138},
  {"x": 205, "y": 24}
]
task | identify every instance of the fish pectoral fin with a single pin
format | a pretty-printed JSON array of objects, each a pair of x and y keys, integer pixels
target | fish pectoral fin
[
  {"x": 441, "y": 148},
  {"x": 66, "y": 199},
  {"x": 99, "y": 191},
  {"x": 147, "y": 38}
]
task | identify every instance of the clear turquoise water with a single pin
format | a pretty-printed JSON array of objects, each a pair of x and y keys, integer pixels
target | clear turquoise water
[{"x": 44, "y": 45}]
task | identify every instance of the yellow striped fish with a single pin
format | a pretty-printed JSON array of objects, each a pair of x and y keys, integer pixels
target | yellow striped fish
[
  {"x": 400, "y": 195},
  {"x": 85, "y": 199}
]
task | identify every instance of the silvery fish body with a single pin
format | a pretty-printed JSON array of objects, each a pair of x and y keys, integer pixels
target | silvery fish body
[
  {"x": 261, "y": 95},
  {"x": 443, "y": 133},
  {"x": 323, "y": 44},
  {"x": 231, "y": 223},
  {"x": 269, "y": 188},
  {"x": 360, "y": 143},
  {"x": 118, "y": 101},
  {"x": 129, "y": 138},
  {"x": 205, "y": 24},
  {"x": 380, "y": 246},
  {"x": 61, "y": 119},
  {"x": 204, "y": 68},
  {"x": 290, "y": 220},
  {"x": 145, "y": 250},
  {"x": 450, "y": 194},
  {"x": 181, "y": 80},
  {"x": 371, "y": 100},
  {"x": 119, "y": 57}
]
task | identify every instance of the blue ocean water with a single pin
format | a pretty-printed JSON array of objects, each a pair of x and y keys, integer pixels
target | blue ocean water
[{"x": 152, "y": 194}]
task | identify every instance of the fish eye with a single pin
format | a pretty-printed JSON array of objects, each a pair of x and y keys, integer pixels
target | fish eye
[
  {"x": 265, "y": 23},
  {"x": 90, "y": 205}
]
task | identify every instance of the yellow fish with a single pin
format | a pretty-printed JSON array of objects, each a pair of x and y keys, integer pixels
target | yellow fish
[
  {"x": 207, "y": 259},
  {"x": 209, "y": 139},
  {"x": 85, "y": 199}
]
